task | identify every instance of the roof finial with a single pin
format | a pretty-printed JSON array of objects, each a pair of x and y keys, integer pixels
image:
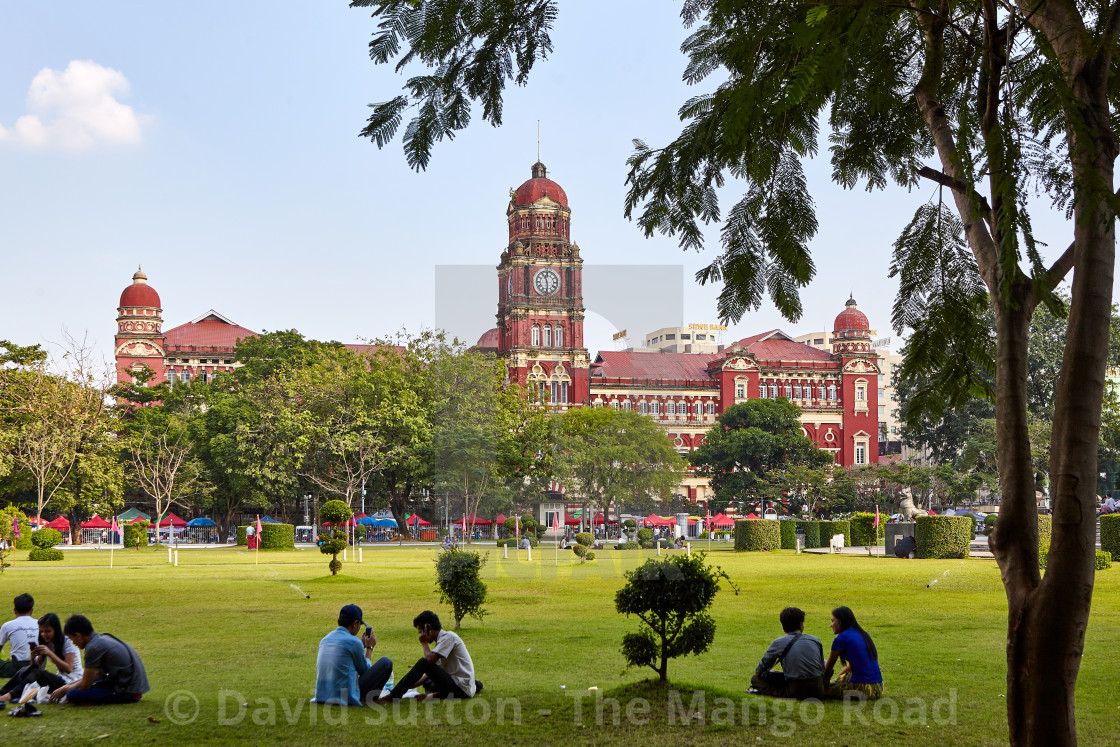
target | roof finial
[
  {"x": 538, "y": 140},
  {"x": 139, "y": 276}
]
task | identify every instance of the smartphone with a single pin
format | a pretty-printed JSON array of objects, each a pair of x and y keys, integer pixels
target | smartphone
[{"x": 369, "y": 630}]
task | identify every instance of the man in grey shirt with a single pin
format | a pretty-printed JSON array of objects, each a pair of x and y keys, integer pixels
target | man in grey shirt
[
  {"x": 802, "y": 660},
  {"x": 113, "y": 671}
]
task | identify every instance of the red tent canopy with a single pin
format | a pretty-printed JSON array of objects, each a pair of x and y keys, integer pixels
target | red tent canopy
[
  {"x": 721, "y": 520},
  {"x": 62, "y": 524},
  {"x": 171, "y": 520},
  {"x": 600, "y": 519},
  {"x": 653, "y": 520},
  {"x": 750, "y": 516},
  {"x": 571, "y": 521},
  {"x": 360, "y": 516},
  {"x": 139, "y": 519},
  {"x": 500, "y": 519},
  {"x": 35, "y": 520},
  {"x": 415, "y": 520},
  {"x": 95, "y": 523},
  {"x": 473, "y": 520}
]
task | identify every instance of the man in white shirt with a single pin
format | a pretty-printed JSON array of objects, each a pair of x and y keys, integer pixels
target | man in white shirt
[
  {"x": 1109, "y": 506},
  {"x": 445, "y": 670},
  {"x": 21, "y": 633}
]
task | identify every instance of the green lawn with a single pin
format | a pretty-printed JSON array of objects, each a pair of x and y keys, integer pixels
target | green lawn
[{"x": 229, "y": 632}]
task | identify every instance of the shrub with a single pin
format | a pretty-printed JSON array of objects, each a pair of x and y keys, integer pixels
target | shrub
[
  {"x": 627, "y": 546},
  {"x": 1110, "y": 534},
  {"x": 136, "y": 535},
  {"x": 46, "y": 538},
  {"x": 647, "y": 544},
  {"x": 788, "y": 532},
  {"x": 671, "y": 597},
  {"x": 1045, "y": 528},
  {"x": 278, "y": 537},
  {"x": 585, "y": 539},
  {"x": 589, "y": 556},
  {"x": 703, "y": 535},
  {"x": 579, "y": 550},
  {"x": 990, "y": 520},
  {"x": 830, "y": 528},
  {"x": 812, "y": 532},
  {"x": 942, "y": 536},
  {"x": 45, "y": 553},
  {"x": 629, "y": 523},
  {"x": 459, "y": 583},
  {"x": 242, "y": 536},
  {"x": 757, "y": 534},
  {"x": 10, "y": 515},
  {"x": 645, "y": 534},
  {"x": 338, "y": 514},
  {"x": 863, "y": 533},
  {"x": 1104, "y": 560}
]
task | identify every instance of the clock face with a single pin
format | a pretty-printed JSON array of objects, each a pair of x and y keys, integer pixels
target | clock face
[{"x": 546, "y": 282}]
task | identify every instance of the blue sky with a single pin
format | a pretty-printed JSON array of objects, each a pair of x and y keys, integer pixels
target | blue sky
[{"x": 216, "y": 143}]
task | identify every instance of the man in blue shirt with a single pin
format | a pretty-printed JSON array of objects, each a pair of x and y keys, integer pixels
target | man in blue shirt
[{"x": 343, "y": 672}]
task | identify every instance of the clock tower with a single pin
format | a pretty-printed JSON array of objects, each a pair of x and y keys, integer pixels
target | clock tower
[
  {"x": 540, "y": 295},
  {"x": 139, "y": 341}
]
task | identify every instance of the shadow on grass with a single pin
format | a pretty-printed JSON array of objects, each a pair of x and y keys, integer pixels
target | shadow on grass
[{"x": 339, "y": 580}]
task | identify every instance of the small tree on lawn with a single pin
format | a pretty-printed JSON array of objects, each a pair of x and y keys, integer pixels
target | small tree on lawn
[
  {"x": 459, "y": 583},
  {"x": 337, "y": 514},
  {"x": 671, "y": 597}
]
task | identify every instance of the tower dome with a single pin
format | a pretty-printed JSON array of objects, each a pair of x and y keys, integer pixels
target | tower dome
[
  {"x": 850, "y": 318},
  {"x": 140, "y": 293},
  {"x": 539, "y": 186}
]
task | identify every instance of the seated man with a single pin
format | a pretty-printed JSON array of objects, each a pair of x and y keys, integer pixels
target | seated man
[
  {"x": 21, "y": 633},
  {"x": 802, "y": 659},
  {"x": 343, "y": 672},
  {"x": 1109, "y": 506},
  {"x": 445, "y": 670},
  {"x": 113, "y": 672}
]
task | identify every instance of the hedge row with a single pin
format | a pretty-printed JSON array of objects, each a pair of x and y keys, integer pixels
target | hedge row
[
  {"x": 278, "y": 537},
  {"x": 757, "y": 534},
  {"x": 626, "y": 546},
  {"x": 812, "y": 532},
  {"x": 788, "y": 530},
  {"x": 45, "y": 553},
  {"x": 1110, "y": 534},
  {"x": 514, "y": 542},
  {"x": 136, "y": 535},
  {"x": 832, "y": 528},
  {"x": 1045, "y": 529},
  {"x": 863, "y": 531},
  {"x": 943, "y": 536},
  {"x": 1103, "y": 559}
]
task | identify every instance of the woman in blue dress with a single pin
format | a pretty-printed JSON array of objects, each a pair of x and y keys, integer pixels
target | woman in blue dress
[{"x": 854, "y": 648}]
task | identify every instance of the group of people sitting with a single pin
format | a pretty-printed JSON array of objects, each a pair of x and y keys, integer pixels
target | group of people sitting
[
  {"x": 805, "y": 673},
  {"x": 345, "y": 673},
  {"x": 112, "y": 671}
]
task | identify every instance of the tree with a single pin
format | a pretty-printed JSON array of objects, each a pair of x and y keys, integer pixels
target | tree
[
  {"x": 163, "y": 463},
  {"x": 1003, "y": 96},
  {"x": 749, "y": 441},
  {"x": 460, "y": 584},
  {"x": 671, "y": 597},
  {"x": 337, "y": 514},
  {"x": 614, "y": 456}
]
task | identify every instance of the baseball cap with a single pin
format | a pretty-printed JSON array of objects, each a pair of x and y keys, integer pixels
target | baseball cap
[{"x": 353, "y": 611}]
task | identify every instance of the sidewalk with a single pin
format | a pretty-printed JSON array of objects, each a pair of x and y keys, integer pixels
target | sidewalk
[{"x": 978, "y": 548}]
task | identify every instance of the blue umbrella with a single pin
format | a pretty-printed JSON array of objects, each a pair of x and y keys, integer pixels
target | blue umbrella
[
  {"x": 202, "y": 521},
  {"x": 368, "y": 521},
  {"x": 266, "y": 519}
]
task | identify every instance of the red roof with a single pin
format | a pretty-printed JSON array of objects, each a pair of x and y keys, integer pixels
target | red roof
[
  {"x": 850, "y": 318},
  {"x": 615, "y": 364},
  {"x": 776, "y": 346},
  {"x": 489, "y": 339},
  {"x": 140, "y": 294},
  {"x": 171, "y": 520},
  {"x": 95, "y": 523},
  {"x": 538, "y": 187},
  {"x": 61, "y": 524},
  {"x": 500, "y": 519},
  {"x": 209, "y": 332},
  {"x": 473, "y": 520}
]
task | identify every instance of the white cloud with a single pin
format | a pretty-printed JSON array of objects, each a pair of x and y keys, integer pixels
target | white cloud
[{"x": 76, "y": 108}]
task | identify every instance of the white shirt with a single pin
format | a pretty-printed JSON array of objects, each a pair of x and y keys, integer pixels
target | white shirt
[
  {"x": 455, "y": 660},
  {"x": 22, "y": 633},
  {"x": 1110, "y": 504},
  {"x": 68, "y": 648}
]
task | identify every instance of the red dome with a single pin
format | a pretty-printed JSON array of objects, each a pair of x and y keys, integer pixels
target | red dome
[
  {"x": 488, "y": 340},
  {"x": 850, "y": 318},
  {"x": 540, "y": 186},
  {"x": 140, "y": 293}
]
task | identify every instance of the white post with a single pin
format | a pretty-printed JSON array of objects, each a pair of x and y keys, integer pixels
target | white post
[
  {"x": 688, "y": 549},
  {"x": 176, "y": 558},
  {"x": 658, "y": 547},
  {"x": 529, "y": 551},
  {"x": 505, "y": 551},
  {"x": 359, "y": 554}
]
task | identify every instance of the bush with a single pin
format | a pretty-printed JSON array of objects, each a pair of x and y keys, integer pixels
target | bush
[
  {"x": 460, "y": 584},
  {"x": 703, "y": 535},
  {"x": 788, "y": 532},
  {"x": 589, "y": 556},
  {"x": 645, "y": 534},
  {"x": 1045, "y": 528},
  {"x": 338, "y": 514},
  {"x": 830, "y": 528},
  {"x": 585, "y": 539},
  {"x": 1110, "y": 535},
  {"x": 942, "y": 536},
  {"x": 10, "y": 515},
  {"x": 627, "y": 546},
  {"x": 242, "y": 536},
  {"x": 757, "y": 534},
  {"x": 671, "y": 597},
  {"x": 45, "y": 553},
  {"x": 1104, "y": 560},
  {"x": 647, "y": 544},
  {"x": 812, "y": 532},
  {"x": 579, "y": 550},
  {"x": 278, "y": 537},
  {"x": 863, "y": 533},
  {"x": 990, "y": 520},
  {"x": 629, "y": 524},
  {"x": 46, "y": 538},
  {"x": 136, "y": 535}
]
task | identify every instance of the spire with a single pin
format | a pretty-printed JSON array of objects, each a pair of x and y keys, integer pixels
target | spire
[
  {"x": 851, "y": 302},
  {"x": 539, "y": 171},
  {"x": 139, "y": 276}
]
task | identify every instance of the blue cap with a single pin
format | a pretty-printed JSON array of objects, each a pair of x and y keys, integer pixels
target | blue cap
[{"x": 353, "y": 611}]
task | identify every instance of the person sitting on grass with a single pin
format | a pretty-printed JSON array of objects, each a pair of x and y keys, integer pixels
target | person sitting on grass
[
  {"x": 343, "y": 672},
  {"x": 54, "y": 647},
  {"x": 445, "y": 670},
  {"x": 113, "y": 671},
  {"x": 20, "y": 633},
  {"x": 802, "y": 660},
  {"x": 853, "y": 646}
]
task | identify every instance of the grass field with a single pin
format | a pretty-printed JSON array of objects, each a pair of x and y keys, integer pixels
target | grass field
[{"x": 230, "y": 650}]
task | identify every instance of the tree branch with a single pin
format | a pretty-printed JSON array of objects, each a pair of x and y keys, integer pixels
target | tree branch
[{"x": 957, "y": 186}]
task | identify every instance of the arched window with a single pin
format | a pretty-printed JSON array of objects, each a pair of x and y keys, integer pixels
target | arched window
[
  {"x": 547, "y": 336},
  {"x": 643, "y": 407},
  {"x": 202, "y": 376},
  {"x": 536, "y": 336},
  {"x": 655, "y": 408},
  {"x": 671, "y": 408},
  {"x": 773, "y": 391},
  {"x": 762, "y": 391},
  {"x": 614, "y": 404},
  {"x": 789, "y": 391},
  {"x": 186, "y": 377},
  {"x": 626, "y": 405},
  {"x": 710, "y": 408},
  {"x": 797, "y": 391},
  {"x": 172, "y": 377},
  {"x": 832, "y": 392},
  {"x": 559, "y": 336}
]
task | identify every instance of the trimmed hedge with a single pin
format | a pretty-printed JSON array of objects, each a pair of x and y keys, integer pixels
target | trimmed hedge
[
  {"x": 579, "y": 549},
  {"x": 242, "y": 537},
  {"x": 863, "y": 533},
  {"x": 45, "y": 553},
  {"x": 1104, "y": 560},
  {"x": 647, "y": 544},
  {"x": 627, "y": 546},
  {"x": 136, "y": 535},
  {"x": 757, "y": 534},
  {"x": 278, "y": 537},
  {"x": 1045, "y": 529},
  {"x": 788, "y": 531},
  {"x": 942, "y": 536},
  {"x": 585, "y": 539},
  {"x": 1110, "y": 534},
  {"x": 829, "y": 528},
  {"x": 812, "y": 532},
  {"x": 645, "y": 534},
  {"x": 46, "y": 538}
]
